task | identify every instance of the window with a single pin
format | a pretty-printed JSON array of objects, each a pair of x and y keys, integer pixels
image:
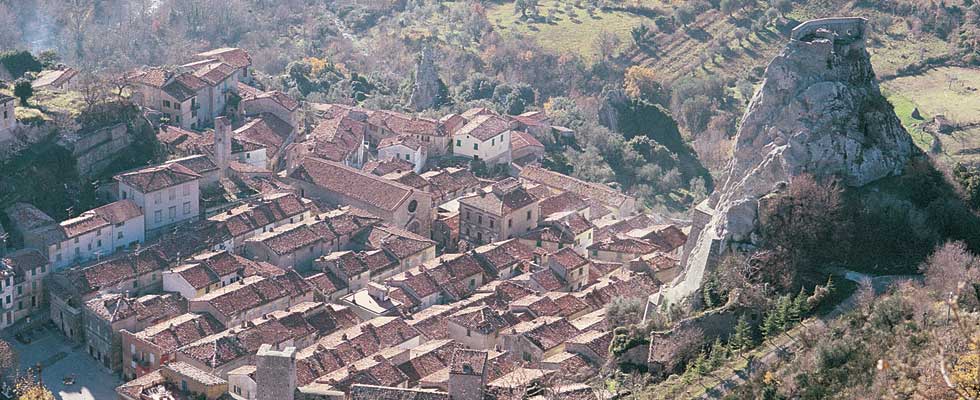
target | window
[
  {"x": 412, "y": 206},
  {"x": 166, "y": 103},
  {"x": 124, "y": 195},
  {"x": 528, "y": 215},
  {"x": 510, "y": 223},
  {"x": 99, "y": 243},
  {"x": 479, "y": 219},
  {"x": 172, "y": 211},
  {"x": 77, "y": 251},
  {"x": 177, "y": 118},
  {"x": 157, "y": 198},
  {"x": 491, "y": 223},
  {"x": 408, "y": 157},
  {"x": 98, "y": 232},
  {"x": 248, "y": 155},
  {"x": 493, "y": 142},
  {"x": 172, "y": 193},
  {"x": 157, "y": 216},
  {"x": 561, "y": 245},
  {"x": 43, "y": 269},
  {"x": 132, "y": 348},
  {"x": 119, "y": 235},
  {"x": 187, "y": 190},
  {"x": 76, "y": 240},
  {"x": 459, "y": 143},
  {"x": 476, "y": 146},
  {"x": 467, "y": 332},
  {"x": 467, "y": 215},
  {"x": 187, "y": 207},
  {"x": 538, "y": 243},
  {"x": 479, "y": 236}
]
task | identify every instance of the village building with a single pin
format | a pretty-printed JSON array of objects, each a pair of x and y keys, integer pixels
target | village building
[
  {"x": 340, "y": 139},
  {"x": 525, "y": 149},
  {"x": 333, "y": 183},
  {"x": 210, "y": 271},
  {"x": 96, "y": 233},
  {"x": 406, "y": 148},
  {"x": 177, "y": 95},
  {"x": 477, "y": 327},
  {"x": 502, "y": 211},
  {"x": 486, "y": 138},
  {"x": 271, "y": 132},
  {"x": 540, "y": 338},
  {"x": 252, "y": 297},
  {"x": 146, "y": 350},
  {"x": 22, "y": 286},
  {"x": 560, "y": 230},
  {"x": 107, "y": 315},
  {"x": 175, "y": 380},
  {"x": 55, "y": 79},
  {"x": 256, "y": 103},
  {"x": 450, "y": 183},
  {"x": 34, "y": 229},
  {"x": 134, "y": 274},
  {"x": 235, "y": 57},
  {"x": 619, "y": 205},
  {"x": 168, "y": 194}
]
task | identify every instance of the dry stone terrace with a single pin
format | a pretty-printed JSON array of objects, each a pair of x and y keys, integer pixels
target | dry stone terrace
[{"x": 316, "y": 266}]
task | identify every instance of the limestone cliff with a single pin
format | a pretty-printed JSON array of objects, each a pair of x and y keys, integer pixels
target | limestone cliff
[
  {"x": 819, "y": 111},
  {"x": 425, "y": 88}
]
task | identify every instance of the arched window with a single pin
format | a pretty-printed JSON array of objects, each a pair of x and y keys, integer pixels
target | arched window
[{"x": 413, "y": 205}]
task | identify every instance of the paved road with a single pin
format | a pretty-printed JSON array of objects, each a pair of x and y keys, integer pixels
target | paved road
[{"x": 788, "y": 344}]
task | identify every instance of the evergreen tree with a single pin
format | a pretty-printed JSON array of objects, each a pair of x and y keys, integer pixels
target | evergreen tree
[
  {"x": 719, "y": 353},
  {"x": 741, "y": 340},
  {"x": 770, "y": 325},
  {"x": 783, "y": 313},
  {"x": 800, "y": 306},
  {"x": 830, "y": 285}
]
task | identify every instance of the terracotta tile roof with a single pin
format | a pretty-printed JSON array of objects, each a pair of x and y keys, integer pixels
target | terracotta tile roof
[
  {"x": 185, "y": 370},
  {"x": 400, "y": 243},
  {"x": 135, "y": 388},
  {"x": 148, "y": 309},
  {"x": 626, "y": 245},
  {"x": 355, "y": 263},
  {"x": 482, "y": 319},
  {"x": 594, "y": 191},
  {"x": 428, "y": 359},
  {"x": 501, "y": 255},
  {"x": 181, "y": 330},
  {"x": 215, "y": 73},
  {"x": 371, "y": 392},
  {"x": 268, "y": 130},
  {"x": 21, "y": 262},
  {"x": 546, "y": 332},
  {"x": 509, "y": 291},
  {"x": 484, "y": 127},
  {"x": 431, "y": 322},
  {"x": 248, "y": 92},
  {"x": 334, "y": 351},
  {"x": 54, "y": 78},
  {"x": 184, "y": 86},
  {"x": 401, "y": 124},
  {"x": 510, "y": 197},
  {"x": 200, "y": 164},
  {"x": 385, "y": 167},
  {"x": 326, "y": 283},
  {"x": 594, "y": 340},
  {"x": 408, "y": 178},
  {"x": 270, "y": 209},
  {"x": 337, "y": 139},
  {"x": 548, "y": 280},
  {"x": 349, "y": 182},
  {"x": 289, "y": 238},
  {"x": 568, "y": 305},
  {"x": 469, "y": 362},
  {"x": 234, "y": 56},
  {"x": 566, "y": 201},
  {"x": 451, "y": 180},
  {"x": 370, "y": 370},
  {"x": 252, "y": 292},
  {"x": 151, "y": 179},
  {"x": 155, "y": 77},
  {"x": 549, "y": 234},
  {"x": 407, "y": 141},
  {"x": 119, "y": 211},
  {"x": 116, "y": 270},
  {"x": 281, "y": 99},
  {"x": 477, "y": 111},
  {"x": 82, "y": 224},
  {"x": 520, "y": 140}
]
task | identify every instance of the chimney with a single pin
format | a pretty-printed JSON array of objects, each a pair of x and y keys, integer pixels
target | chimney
[{"x": 222, "y": 143}]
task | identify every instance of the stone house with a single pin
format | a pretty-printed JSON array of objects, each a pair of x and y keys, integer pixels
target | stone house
[
  {"x": 253, "y": 297},
  {"x": 221, "y": 83},
  {"x": 210, "y": 271},
  {"x": 174, "y": 94},
  {"x": 168, "y": 194},
  {"x": 146, "y": 350},
  {"x": 262, "y": 215},
  {"x": 105, "y": 316},
  {"x": 619, "y": 205},
  {"x": 135, "y": 273},
  {"x": 525, "y": 149},
  {"x": 398, "y": 205},
  {"x": 271, "y": 132},
  {"x": 255, "y": 103},
  {"x": 538, "y": 339},
  {"x": 559, "y": 230},
  {"x": 502, "y": 211},
  {"x": 450, "y": 183},
  {"x": 290, "y": 246},
  {"x": 468, "y": 375},
  {"x": 477, "y": 327},
  {"x": 486, "y": 138},
  {"x": 98, "y": 233},
  {"x": 406, "y": 148},
  {"x": 22, "y": 285},
  {"x": 55, "y": 80},
  {"x": 237, "y": 58},
  {"x": 340, "y": 139},
  {"x": 34, "y": 229}
]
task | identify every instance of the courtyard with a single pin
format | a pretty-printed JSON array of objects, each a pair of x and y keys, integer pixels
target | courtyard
[{"x": 60, "y": 359}]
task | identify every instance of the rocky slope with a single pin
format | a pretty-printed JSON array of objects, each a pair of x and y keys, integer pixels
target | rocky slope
[{"x": 819, "y": 111}]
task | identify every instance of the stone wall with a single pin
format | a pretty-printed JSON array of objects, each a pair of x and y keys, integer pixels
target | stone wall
[{"x": 94, "y": 151}]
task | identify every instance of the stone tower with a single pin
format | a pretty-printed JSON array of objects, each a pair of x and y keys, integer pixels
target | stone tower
[
  {"x": 468, "y": 374},
  {"x": 275, "y": 373},
  {"x": 222, "y": 143}
]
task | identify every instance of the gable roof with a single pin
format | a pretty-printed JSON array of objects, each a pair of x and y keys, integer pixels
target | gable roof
[
  {"x": 594, "y": 191},
  {"x": 484, "y": 127},
  {"x": 267, "y": 130},
  {"x": 234, "y": 56},
  {"x": 349, "y": 182},
  {"x": 158, "y": 177}
]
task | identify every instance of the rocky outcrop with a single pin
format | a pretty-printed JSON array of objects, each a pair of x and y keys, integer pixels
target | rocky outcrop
[
  {"x": 425, "y": 89},
  {"x": 818, "y": 111}
]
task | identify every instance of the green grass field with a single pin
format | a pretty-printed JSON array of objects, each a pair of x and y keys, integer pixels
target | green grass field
[
  {"x": 950, "y": 91},
  {"x": 573, "y": 32}
]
